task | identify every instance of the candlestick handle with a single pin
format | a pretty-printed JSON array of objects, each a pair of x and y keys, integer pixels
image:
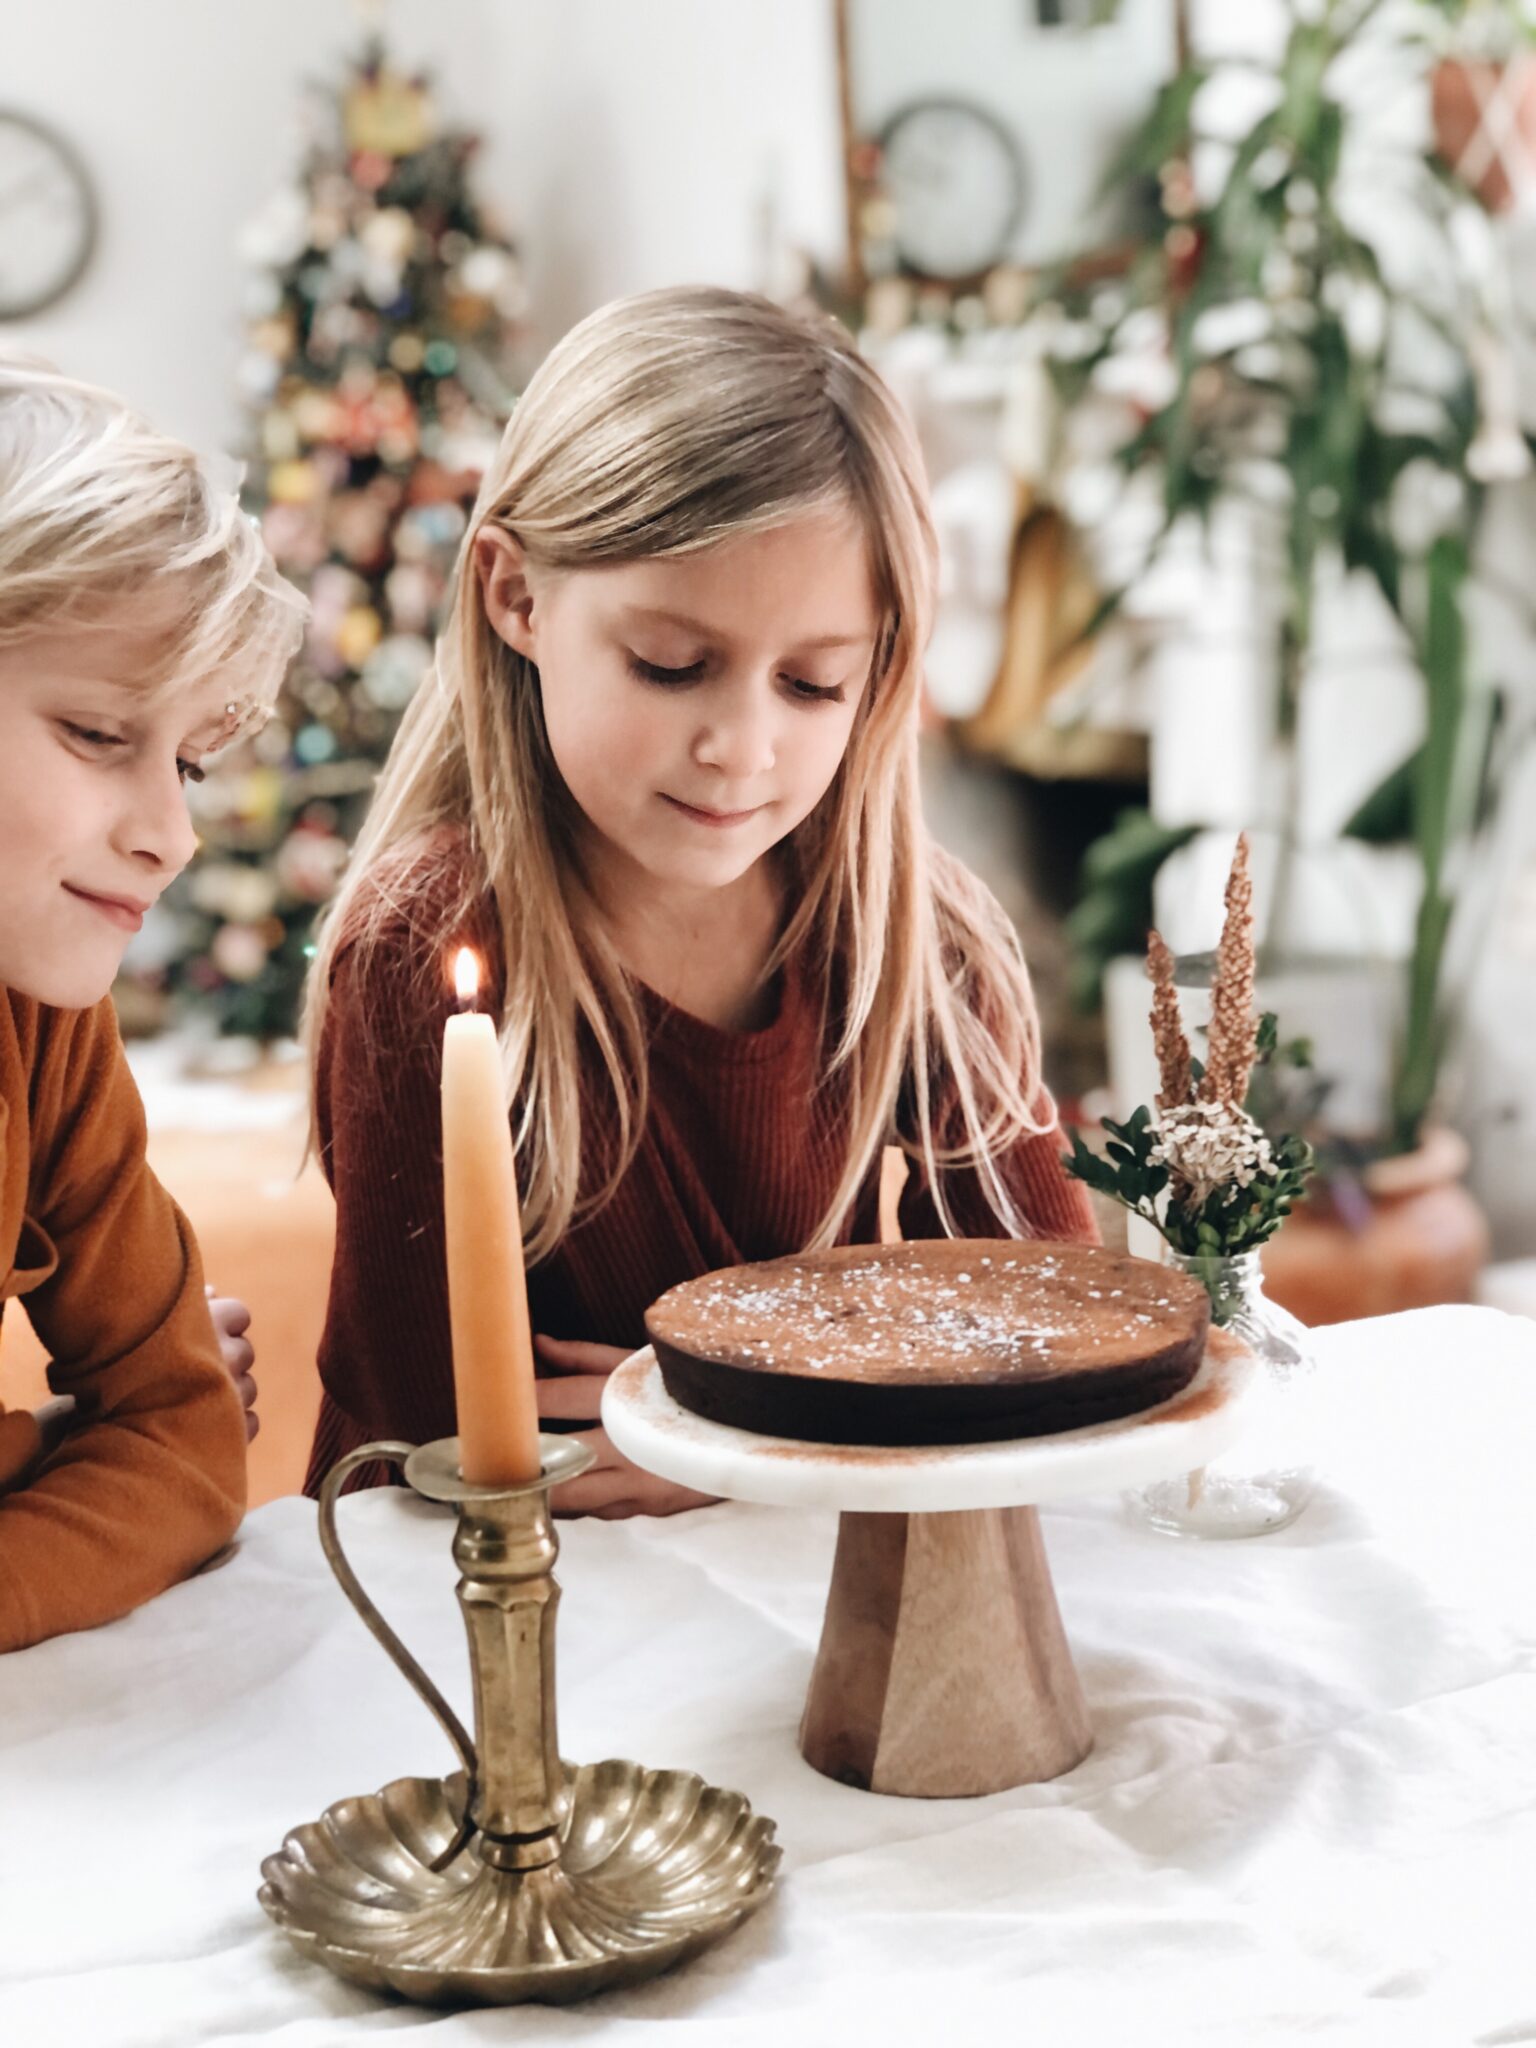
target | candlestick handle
[
  {"x": 336, "y": 1557},
  {"x": 505, "y": 1549}
]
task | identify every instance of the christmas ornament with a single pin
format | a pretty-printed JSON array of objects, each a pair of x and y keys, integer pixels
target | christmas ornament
[
  {"x": 240, "y": 951},
  {"x": 292, "y": 483},
  {"x": 392, "y": 671},
  {"x": 235, "y": 890},
  {"x": 310, "y": 863},
  {"x": 358, "y": 635},
  {"x": 388, "y": 116}
]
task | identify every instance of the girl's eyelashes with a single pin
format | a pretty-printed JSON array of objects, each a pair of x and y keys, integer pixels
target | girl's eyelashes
[
  {"x": 802, "y": 691},
  {"x": 653, "y": 672}
]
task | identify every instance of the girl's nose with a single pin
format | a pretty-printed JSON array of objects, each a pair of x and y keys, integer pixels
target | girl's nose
[{"x": 738, "y": 738}]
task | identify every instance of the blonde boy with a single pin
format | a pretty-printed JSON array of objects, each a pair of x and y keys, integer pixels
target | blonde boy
[{"x": 141, "y": 624}]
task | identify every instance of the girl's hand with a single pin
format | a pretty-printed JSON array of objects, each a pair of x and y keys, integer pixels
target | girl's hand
[
  {"x": 614, "y": 1488},
  {"x": 232, "y": 1319}
]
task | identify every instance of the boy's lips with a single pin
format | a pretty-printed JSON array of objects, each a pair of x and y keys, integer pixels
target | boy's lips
[
  {"x": 124, "y": 911},
  {"x": 708, "y": 817}
]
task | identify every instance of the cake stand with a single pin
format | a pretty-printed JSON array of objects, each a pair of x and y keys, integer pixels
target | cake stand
[{"x": 943, "y": 1670}]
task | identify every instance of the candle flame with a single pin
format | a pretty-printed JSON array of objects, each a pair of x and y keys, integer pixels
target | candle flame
[{"x": 466, "y": 974}]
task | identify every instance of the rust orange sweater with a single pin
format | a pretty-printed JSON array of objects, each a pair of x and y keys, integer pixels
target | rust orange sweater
[
  {"x": 151, "y": 1479},
  {"x": 739, "y": 1157}
]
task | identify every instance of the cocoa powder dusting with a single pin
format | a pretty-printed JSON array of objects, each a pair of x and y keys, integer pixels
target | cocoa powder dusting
[{"x": 953, "y": 1311}]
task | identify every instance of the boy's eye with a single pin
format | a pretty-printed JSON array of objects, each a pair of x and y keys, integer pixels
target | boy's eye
[
  {"x": 93, "y": 737},
  {"x": 89, "y": 736},
  {"x": 653, "y": 672}
]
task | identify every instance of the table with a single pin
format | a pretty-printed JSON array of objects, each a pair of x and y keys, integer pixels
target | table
[{"x": 1310, "y": 1811}]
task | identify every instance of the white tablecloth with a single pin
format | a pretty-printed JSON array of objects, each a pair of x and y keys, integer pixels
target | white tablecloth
[{"x": 1310, "y": 1811}]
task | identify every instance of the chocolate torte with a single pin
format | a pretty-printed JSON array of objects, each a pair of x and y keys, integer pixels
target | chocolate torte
[{"x": 962, "y": 1341}]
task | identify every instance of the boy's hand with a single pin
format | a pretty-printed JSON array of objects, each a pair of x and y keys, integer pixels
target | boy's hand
[
  {"x": 232, "y": 1319},
  {"x": 54, "y": 1421},
  {"x": 27, "y": 1441},
  {"x": 614, "y": 1488}
]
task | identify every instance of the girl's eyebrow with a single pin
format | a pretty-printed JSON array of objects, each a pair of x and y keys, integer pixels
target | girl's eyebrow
[{"x": 707, "y": 632}]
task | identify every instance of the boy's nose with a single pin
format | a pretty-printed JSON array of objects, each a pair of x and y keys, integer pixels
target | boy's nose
[{"x": 156, "y": 831}]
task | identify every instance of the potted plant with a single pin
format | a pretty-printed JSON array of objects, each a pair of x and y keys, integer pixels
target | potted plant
[
  {"x": 1335, "y": 396},
  {"x": 1483, "y": 96}
]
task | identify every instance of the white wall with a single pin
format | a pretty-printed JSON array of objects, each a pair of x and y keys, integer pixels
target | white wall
[
  {"x": 627, "y": 146},
  {"x": 1068, "y": 99}
]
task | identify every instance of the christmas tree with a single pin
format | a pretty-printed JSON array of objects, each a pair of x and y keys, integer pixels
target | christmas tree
[{"x": 382, "y": 305}]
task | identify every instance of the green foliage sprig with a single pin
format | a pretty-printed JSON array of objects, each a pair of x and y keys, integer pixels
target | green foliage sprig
[{"x": 1230, "y": 1221}]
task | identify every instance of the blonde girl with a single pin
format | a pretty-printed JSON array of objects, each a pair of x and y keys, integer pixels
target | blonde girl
[
  {"x": 664, "y": 775},
  {"x": 141, "y": 625}
]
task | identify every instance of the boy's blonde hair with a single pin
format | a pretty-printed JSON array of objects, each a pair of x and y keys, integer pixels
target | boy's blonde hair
[
  {"x": 98, "y": 508},
  {"x": 662, "y": 425}
]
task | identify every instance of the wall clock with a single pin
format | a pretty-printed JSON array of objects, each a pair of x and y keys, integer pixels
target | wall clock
[
  {"x": 955, "y": 181},
  {"x": 48, "y": 216}
]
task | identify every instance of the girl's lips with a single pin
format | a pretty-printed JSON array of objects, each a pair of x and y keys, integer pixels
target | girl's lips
[
  {"x": 124, "y": 911},
  {"x": 718, "y": 819}
]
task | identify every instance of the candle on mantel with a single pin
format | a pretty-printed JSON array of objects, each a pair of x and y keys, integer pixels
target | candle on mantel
[{"x": 487, "y": 1289}]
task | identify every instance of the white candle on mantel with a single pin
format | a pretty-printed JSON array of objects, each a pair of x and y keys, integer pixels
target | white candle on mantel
[{"x": 487, "y": 1287}]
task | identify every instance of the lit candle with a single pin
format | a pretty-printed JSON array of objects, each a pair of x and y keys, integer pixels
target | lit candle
[{"x": 487, "y": 1289}]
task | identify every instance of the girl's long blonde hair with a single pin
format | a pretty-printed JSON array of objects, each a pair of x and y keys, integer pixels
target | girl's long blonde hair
[
  {"x": 99, "y": 509},
  {"x": 662, "y": 425}
]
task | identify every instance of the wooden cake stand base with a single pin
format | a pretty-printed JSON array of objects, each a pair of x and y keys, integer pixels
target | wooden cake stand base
[{"x": 944, "y": 1670}]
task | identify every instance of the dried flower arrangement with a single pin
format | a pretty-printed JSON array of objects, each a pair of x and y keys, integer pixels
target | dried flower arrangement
[{"x": 1196, "y": 1165}]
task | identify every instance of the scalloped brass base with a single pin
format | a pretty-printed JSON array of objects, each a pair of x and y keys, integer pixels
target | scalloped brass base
[{"x": 653, "y": 1867}]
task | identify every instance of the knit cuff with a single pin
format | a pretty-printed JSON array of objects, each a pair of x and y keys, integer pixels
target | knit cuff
[{"x": 20, "y": 1446}]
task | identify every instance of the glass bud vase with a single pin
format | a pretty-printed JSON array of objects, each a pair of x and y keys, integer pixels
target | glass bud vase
[{"x": 1264, "y": 1479}]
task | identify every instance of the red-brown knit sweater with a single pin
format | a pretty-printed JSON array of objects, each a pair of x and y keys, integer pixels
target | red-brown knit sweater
[{"x": 738, "y": 1160}]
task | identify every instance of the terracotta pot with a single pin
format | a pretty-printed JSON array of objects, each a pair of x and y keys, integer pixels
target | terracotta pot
[
  {"x": 1425, "y": 1242},
  {"x": 1478, "y": 150}
]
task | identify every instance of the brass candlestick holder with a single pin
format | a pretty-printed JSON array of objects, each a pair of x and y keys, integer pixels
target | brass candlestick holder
[{"x": 519, "y": 1876}]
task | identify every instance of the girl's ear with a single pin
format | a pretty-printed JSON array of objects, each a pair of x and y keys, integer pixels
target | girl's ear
[{"x": 502, "y": 568}]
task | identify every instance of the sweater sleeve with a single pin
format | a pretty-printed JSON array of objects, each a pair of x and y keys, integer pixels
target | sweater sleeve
[
  {"x": 386, "y": 1355},
  {"x": 151, "y": 1480}
]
